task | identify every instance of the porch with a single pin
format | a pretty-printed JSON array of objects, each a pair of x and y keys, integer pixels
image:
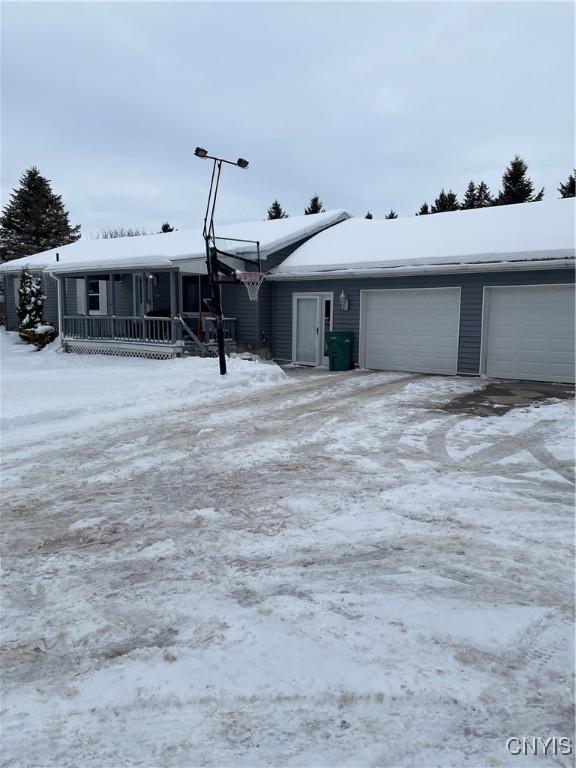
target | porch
[{"x": 156, "y": 313}]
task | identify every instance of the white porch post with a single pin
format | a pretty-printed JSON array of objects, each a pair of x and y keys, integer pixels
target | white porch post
[
  {"x": 61, "y": 300},
  {"x": 111, "y": 308},
  {"x": 173, "y": 304}
]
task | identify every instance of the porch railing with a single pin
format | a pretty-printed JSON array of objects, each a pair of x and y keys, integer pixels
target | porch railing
[
  {"x": 159, "y": 330},
  {"x": 209, "y": 328}
]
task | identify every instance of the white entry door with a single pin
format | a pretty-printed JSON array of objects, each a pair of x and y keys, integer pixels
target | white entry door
[
  {"x": 312, "y": 316},
  {"x": 529, "y": 332}
]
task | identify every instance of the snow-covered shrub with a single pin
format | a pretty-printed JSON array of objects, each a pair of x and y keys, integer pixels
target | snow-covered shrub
[{"x": 31, "y": 326}]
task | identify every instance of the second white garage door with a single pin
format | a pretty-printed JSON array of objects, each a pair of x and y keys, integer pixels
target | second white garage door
[
  {"x": 411, "y": 330},
  {"x": 529, "y": 332}
]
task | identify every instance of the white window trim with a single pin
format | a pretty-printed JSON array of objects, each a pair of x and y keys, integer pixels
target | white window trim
[{"x": 102, "y": 298}]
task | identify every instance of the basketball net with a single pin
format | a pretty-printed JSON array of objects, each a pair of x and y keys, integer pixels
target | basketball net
[{"x": 252, "y": 282}]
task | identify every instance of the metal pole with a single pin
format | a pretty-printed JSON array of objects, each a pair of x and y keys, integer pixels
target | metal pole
[{"x": 212, "y": 268}]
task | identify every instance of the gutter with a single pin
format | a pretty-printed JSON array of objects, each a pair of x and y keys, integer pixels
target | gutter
[{"x": 440, "y": 269}]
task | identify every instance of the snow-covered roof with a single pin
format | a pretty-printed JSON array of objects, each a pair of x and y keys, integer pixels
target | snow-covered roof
[
  {"x": 168, "y": 248},
  {"x": 529, "y": 232}
]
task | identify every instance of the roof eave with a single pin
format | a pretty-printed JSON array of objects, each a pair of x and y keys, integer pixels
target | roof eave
[{"x": 501, "y": 266}]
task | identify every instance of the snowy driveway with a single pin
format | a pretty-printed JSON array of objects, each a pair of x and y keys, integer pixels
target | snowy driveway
[{"x": 326, "y": 571}]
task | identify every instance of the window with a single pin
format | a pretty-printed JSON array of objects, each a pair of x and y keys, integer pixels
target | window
[
  {"x": 91, "y": 296},
  {"x": 94, "y": 297},
  {"x": 16, "y": 289}
]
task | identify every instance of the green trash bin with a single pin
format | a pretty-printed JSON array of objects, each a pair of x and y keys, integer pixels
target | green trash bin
[{"x": 339, "y": 349}]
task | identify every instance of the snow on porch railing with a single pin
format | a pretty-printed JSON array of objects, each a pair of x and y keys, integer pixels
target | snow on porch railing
[{"x": 158, "y": 330}]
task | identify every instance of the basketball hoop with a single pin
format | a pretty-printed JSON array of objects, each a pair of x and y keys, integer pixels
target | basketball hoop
[{"x": 252, "y": 282}]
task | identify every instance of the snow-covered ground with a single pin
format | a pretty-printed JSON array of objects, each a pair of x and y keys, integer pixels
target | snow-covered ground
[{"x": 262, "y": 570}]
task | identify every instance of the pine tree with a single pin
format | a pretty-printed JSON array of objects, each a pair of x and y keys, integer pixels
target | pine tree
[
  {"x": 476, "y": 196},
  {"x": 517, "y": 187},
  {"x": 34, "y": 219},
  {"x": 470, "y": 196},
  {"x": 166, "y": 228},
  {"x": 30, "y": 301},
  {"x": 314, "y": 206},
  {"x": 568, "y": 189},
  {"x": 368, "y": 215},
  {"x": 424, "y": 210},
  {"x": 276, "y": 211},
  {"x": 484, "y": 197},
  {"x": 391, "y": 215},
  {"x": 446, "y": 201}
]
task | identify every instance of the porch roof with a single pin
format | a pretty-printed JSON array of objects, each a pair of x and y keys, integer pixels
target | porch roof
[{"x": 176, "y": 249}]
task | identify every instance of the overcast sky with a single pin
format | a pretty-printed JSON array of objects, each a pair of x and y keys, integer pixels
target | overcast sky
[{"x": 370, "y": 105}]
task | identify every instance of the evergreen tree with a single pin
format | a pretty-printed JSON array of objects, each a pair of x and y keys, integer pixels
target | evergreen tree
[
  {"x": 517, "y": 187},
  {"x": 30, "y": 301},
  {"x": 276, "y": 211},
  {"x": 568, "y": 188},
  {"x": 314, "y": 206},
  {"x": 469, "y": 199},
  {"x": 368, "y": 215},
  {"x": 424, "y": 210},
  {"x": 484, "y": 197},
  {"x": 476, "y": 196},
  {"x": 391, "y": 215},
  {"x": 34, "y": 219},
  {"x": 446, "y": 201},
  {"x": 166, "y": 228}
]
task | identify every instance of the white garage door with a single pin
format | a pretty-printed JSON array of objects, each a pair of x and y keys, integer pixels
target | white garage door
[
  {"x": 529, "y": 332},
  {"x": 411, "y": 330}
]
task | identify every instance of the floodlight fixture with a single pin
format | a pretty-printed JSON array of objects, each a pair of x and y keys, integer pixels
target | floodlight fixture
[
  {"x": 242, "y": 163},
  {"x": 200, "y": 152}
]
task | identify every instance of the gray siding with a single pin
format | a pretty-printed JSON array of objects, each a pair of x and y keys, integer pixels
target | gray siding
[
  {"x": 255, "y": 319},
  {"x": 266, "y": 313},
  {"x": 70, "y": 303},
  {"x": 50, "y": 285},
  {"x": 470, "y": 328},
  {"x": 50, "y": 288},
  {"x": 470, "y": 309},
  {"x": 235, "y": 303},
  {"x": 123, "y": 299},
  {"x": 11, "y": 316}
]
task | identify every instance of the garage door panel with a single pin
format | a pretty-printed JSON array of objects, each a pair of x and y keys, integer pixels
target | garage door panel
[
  {"x": 412, "y": 330},
  {"x": 530, "y": 333}
]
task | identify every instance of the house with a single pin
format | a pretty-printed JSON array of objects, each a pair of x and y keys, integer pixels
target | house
[
  {"x": 143, "y": 295},
  {"x": 487, "y": 291},
  {"x": 479, "y": 292}
]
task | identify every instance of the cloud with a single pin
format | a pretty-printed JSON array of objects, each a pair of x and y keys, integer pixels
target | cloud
[{"x": 370, "y": 105}]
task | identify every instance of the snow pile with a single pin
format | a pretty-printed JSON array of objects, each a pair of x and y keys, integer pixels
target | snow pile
[
  {"x": 524, "y": 232},
  {"x": 50, "y": 392},
  {"x": 168, "y": 247}
]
